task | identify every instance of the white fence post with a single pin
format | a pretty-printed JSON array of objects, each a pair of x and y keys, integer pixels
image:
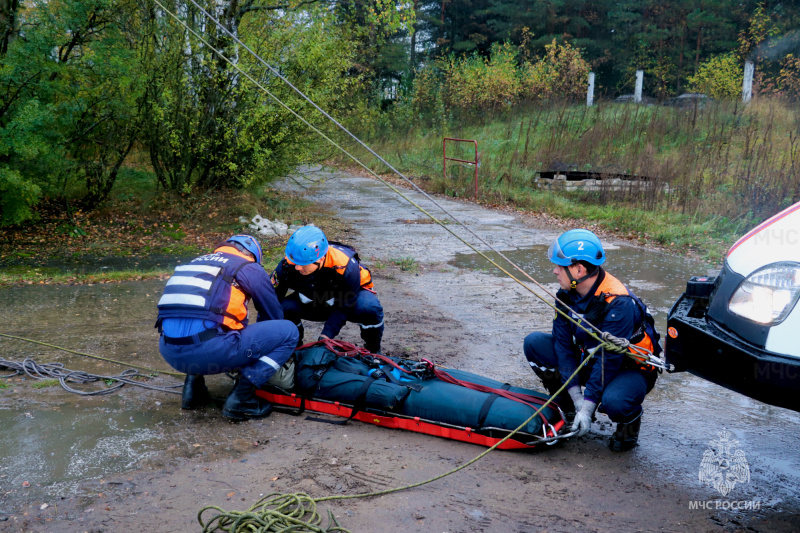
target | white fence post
[
  {"x": 590, "y": 91},
  {"x": 637, "y": 93},
  {"x": 747, "y": 86}
]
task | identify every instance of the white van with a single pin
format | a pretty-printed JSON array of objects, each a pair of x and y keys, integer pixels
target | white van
[{"x": 741, "y": 329}]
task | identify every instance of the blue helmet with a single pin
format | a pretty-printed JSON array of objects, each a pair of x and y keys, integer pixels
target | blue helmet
[
  {"x": 249, "y": 243},
  {"x": 577, "y": 245},
  {"x": 306, "y": 245}
]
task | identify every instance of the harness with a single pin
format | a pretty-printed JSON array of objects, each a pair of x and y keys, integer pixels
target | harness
[{"x": 644, "y": 334}]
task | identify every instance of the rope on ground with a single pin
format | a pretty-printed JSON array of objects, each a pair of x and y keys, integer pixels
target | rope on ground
[
  {"x": 106, "y": 359},
  {"x": 113, "y": 383},
  {"x": 263, "y": 516},
  {"x": 274, "y": 512}
]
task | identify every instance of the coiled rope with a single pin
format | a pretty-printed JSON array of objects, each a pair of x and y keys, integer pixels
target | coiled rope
[
  {"x": 266, "y": 514},
  {"x": 115, "y": 382},
  {"x": 65, "y": 376}
]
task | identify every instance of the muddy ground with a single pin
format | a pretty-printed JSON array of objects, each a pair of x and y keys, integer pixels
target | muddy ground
[{"x": 135, "y": 461}]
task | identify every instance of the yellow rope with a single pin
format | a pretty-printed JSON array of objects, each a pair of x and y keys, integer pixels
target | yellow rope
[
  {"x": 266, "y": 514},
  {"x": 590, "y": 329}
]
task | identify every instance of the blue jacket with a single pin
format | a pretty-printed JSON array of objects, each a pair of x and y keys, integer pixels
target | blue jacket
[
  {"x": 335, "y": 284},
  {"x": 611, "y": 307},
  {"x": 214, "y": 290}
]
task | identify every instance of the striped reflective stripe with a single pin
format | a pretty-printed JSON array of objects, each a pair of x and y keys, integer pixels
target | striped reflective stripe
[
  {"x": 372, "y": 325},
  {"x": 187, "y": 280},
  {"x": 270, "y": 362},
  {"x": 182, "y": 299},
  {"x": 213, "y": 270}
]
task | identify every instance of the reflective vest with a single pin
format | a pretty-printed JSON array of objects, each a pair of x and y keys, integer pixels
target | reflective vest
[
  {"x": 206, "y": 288},
  {"x": 341, "y": 275},
  {"x": 644, "y": 335}
]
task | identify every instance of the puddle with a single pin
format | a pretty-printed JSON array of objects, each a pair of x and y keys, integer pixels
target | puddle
[
  {"x": 656, "y": 278},
  {"x": 51, "y": 449},
  {"x": 61, "y": 443}
]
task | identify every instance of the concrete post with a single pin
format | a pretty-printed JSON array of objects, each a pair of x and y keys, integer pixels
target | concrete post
[
  {"x": 637, "y": 93},
  {"x": 747, "y": 86},
  {"x": 590, "y": 91}
]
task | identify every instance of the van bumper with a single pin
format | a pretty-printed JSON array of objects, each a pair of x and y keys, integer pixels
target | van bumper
[{"x": 697, "y": 344}]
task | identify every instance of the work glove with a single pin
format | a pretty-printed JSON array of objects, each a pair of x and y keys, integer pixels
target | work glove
[
  {"x": 583, "y": 420},
  {"x": 577, "y": 396}
]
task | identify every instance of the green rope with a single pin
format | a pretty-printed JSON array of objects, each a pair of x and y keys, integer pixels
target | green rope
[
  {"x": 272, "y": 513},
  {"x": 267, "y": 515},
  {"x": 590, "y": 329},
  {"x": 176, "y": 374}
]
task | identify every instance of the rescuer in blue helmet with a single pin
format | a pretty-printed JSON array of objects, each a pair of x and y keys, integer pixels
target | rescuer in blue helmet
[
  {"x": 202, "y": 317},
  {"x": 330, "y": 285},
  {"x": 613, "y": 380}
]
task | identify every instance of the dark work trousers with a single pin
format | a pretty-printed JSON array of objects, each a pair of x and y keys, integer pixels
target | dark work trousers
[
  {"x": 622, "y": 396},
  {"x": 257, "y": 351},
  {"x": 366, "y": 311}
]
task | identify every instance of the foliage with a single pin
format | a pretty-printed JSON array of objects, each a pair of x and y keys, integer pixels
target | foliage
[
  {"x": 788, "y": 80},
  {"x": 207, "y": 125},
  {"x": 486, "y": 84},
  {"x": 66, "y": 119},
  {"x": 710, "y": 172},
  {"x": 17, "y": 197},
  {"x": 560, "y": 74},
  {"x": 719, "y": 77}
]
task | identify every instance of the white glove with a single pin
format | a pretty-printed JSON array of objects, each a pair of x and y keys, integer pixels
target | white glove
[
  {"x": 583, "y": 420},
  {"x": 577, "y": 396}
]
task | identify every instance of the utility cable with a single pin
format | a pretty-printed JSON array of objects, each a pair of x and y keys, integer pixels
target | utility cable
[{"x": 606, "y": 341}]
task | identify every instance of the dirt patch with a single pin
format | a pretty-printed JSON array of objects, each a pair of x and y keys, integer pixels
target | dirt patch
[{"x": 457, "y": 318}]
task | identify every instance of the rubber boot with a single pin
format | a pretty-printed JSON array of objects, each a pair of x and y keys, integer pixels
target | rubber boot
[
  {"x": 372, "y": 339},
  {"x": 626, "y": 435},
  {"x": 301, "y": 330},
  {"x": 195, "y": 393},
  {"x": 243, "y": 404}
]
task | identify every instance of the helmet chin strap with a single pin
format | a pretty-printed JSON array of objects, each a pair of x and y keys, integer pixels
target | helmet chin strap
[{"x": 573, "y": 283}]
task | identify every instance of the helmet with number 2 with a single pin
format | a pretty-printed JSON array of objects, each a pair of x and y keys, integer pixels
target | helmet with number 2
[{"x": 577, "y": 245}]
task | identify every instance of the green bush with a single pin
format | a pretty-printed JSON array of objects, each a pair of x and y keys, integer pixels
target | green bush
[{"x": 719, "y": 77}]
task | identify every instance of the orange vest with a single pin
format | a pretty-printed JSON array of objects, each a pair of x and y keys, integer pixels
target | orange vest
[{"x": 609, "y": 289}]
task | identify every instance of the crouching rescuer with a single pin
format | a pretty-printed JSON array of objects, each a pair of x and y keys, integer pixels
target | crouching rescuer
[
  {"x": 203, "y": 320},
  {"x": 614, "y": 381},
  {"x": 330, "y": 285}
]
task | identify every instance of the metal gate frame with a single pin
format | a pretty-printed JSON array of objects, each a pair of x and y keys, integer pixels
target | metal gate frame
[{"x": 445, "y": 159}]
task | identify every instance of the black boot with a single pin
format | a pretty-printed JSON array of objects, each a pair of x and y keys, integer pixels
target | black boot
[
  {"x": 243, "y": 404},
  {"x": 195, "y": 394},
  {"x": 301, "y": 330},
  {"x": 372, "y": 339},
  {"x": 626, "y": 436}
]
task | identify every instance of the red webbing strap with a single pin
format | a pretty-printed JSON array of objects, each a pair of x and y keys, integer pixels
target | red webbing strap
[
  {"x": 409, "y": 424},
  {"x": 348, "y": 349}
]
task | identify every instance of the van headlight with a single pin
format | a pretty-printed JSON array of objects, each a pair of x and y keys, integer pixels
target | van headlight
[{"x": 768, "y": 295}]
